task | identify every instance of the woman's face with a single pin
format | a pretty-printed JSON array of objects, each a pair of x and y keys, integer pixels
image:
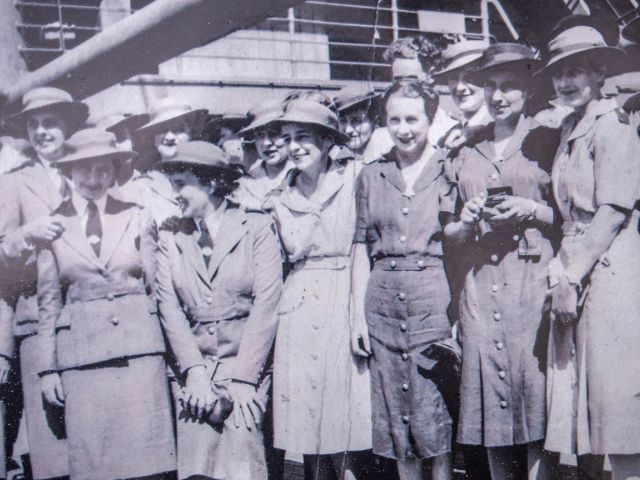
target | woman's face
[
  {"x": 358, "y": 126},
  {"x": 270, "y": 145},
  {"x": 467, "y": 96},
  {"x": 47, "y": 133},
  {"x": 306, "y": 148},
  {"x": 167, "y": 141},
  {"x": 192, "y": 196},
  {"x": 92, "y": 179},
  {"x": 576, "y": 85},
  {"x": 505, "y": 94},
  {"x": 408, "y": 123}
]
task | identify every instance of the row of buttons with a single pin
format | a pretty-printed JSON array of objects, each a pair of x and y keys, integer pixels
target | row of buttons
[{"x": 394, "y": 264}]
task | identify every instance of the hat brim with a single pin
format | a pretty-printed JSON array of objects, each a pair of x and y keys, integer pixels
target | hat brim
[
  {"x": 75, "y": 114},
  {"x": 157, "y": 126},
  {"x": 370, "y": 100},
  {"x": 72, "y": 159},
  {"x": 611, "y": 58},
  {"x": 170, "y": 166},
  {"x": 443, "y": 76},
  {"x": 524, "y": 68},
  {"x": 132, "y": 123},
  {"x": 256, "y": 125}
]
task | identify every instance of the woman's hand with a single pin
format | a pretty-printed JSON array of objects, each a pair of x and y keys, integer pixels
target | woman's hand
[
  {"x": 472, "y": 210},
  {"x": 247, "y": 408},
  {"x": 564, "y": 300},
  {"x": 198, "y": 397},
  {"x": 360, "y": 343},
  {"x": 52, "y": 389},
  {"x": 514, "y": 210}
]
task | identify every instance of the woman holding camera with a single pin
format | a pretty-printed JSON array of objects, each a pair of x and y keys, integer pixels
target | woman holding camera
[{"x": 504, "y": 232}]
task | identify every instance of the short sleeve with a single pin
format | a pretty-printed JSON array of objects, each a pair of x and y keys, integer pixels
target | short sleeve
[
  {"x": 617, "y": 162},
  {"x": 362, "y": 207},
  {"x": 449, "y": 187}
]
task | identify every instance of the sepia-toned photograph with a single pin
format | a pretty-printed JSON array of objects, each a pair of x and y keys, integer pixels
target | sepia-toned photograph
[{"x": 319, "y": 240}]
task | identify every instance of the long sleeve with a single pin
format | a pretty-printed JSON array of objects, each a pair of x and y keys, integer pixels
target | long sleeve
[
  {"x": 174, "y": 321},
  {"x": 49, "y": 307},
  {"x": 260, "y": 329},
  {"x": 14, "y": 250}
]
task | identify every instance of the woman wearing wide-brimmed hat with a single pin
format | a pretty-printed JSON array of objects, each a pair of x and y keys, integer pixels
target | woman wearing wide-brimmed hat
[
  {"x": 400, "y": 306},
  {"x": 358, "y": 115},
  {"x": 171, "y": 122},
  {"x": 30, "y": 193},
  {"x": 592, "y": 395},
  {"x": 273, "y": 163},
  {"x": 504, "y": 233},
  {"x": 321, "y": 389},
  {"x": 459, "y": 60},
  {"x": 219, "y": 283},
  {"x": 101, "y": 349}
]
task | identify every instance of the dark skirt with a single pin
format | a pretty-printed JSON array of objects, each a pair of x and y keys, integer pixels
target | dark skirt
[
  {"x": 118, "y": 419},
  {"x": 406, "y": 316}
]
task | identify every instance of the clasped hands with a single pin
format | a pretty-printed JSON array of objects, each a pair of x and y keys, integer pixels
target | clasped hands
[{"x": 511, "y": 210}]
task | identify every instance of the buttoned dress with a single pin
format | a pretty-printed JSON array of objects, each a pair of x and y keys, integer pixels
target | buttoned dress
[
  {"x": 593, "y": 389},
  {"x": 321, "y": 390},
  {"x": 405, "y": 305},
  {"x": 222, "y": 316},
  {"x": 30, "y": 191},
  {"x": 502, "y": 302},
  {"x": 98, "y": 329}
]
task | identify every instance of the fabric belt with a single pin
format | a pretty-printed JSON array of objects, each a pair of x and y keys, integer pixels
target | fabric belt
[
  {"x": 323, "y": 263},
  {"x": 212, "y": 315},
  {"x": 404, "y": 264},
  {"x": 86, "y": 293}
]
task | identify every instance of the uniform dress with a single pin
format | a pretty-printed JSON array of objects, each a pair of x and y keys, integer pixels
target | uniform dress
[
  {"x": 222, "y": 316},
  {"x": 99, "y": 330},
  {"x": 502, "y": 302},
  {"x": 593, "y": 381},
  {"x": 29, "y": 192},
  {"x": 321, "y": 390},
  {"x": 405, "y": 305},
  {"x": 254, "y": 188}
]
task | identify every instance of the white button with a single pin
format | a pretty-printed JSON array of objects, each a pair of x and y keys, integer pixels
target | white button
[
  {"x": 115, "y": 320},
  {"x": 499, "y": 345},
  {"x": 405, "y": 211},
  {"x": 110, "y": 297},
  {"x": 405, "y": 387},
  {"x": 420, "y": 264},
  {"x": 494, "y": 288},
  {"x": 494, "y": 176},
  {"x": 494, "y": 258},
  {"x": 503, "y": 404},
  {"x": 405, "y": 356},
  {"x": 403, "y": 238},
  {"x": 211, "y": 330},
  {"x": 502, "y": 374},
  {"x": 405, "y": 419},
  {"x": 393, "y": 264},
  {"x": 497, "y": 316},
  {"x": 209, "y": 300},
  {"x": 403, "y": 327},
  {"x": 516, "y": 238},
  {"x": 402, "y": 296}
]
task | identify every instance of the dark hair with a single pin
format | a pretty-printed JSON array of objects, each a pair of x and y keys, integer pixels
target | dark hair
[
  {"x": 412, "y": 88},
  {"x": 425, "y": 48},
  {"x": 225, "y": 183},
  {"x": 314, "y": 96},
  {"x": 65, "y": 169}
]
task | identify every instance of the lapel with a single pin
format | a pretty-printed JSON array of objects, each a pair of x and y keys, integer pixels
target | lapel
[
  {"x": 431, "y": 171},
  {"x": 515, "y": 144},
  {"x": 391, "y": 172},
  {"x": 74, "y": 236},
  {"x": 594, "y": 111},
  {"x": 187, "y": 244},
  {"x": 232, "y": 229},
  {"x": 332, "y": 183},
  {"x": 116, "y": 220},
  {"x": 39, "y": 183}
]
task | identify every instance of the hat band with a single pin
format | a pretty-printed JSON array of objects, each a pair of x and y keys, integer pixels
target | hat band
[
  {"x": 575, "y": 47},
  {"x": 465, "y": 53}
]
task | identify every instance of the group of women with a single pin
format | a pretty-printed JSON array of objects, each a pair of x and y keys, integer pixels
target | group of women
[{"x": 476, "y": 289}]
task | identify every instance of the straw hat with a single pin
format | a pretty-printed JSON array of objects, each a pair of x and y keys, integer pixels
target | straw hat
[
  {"x": 51, "y": 99},
  {"x": 167, "y": 112},
  {"x": 91, "y": 144},
  {"x": 511, "y": 57},
  {"x": 461, "y": 56},
  {"x": 580, "y": 42},
  {"x": 263, "y": 114},
  {"x": 353, "y": 96},
  {"x": 203, "y": 155},
  {"x": 318, "y": 116}
]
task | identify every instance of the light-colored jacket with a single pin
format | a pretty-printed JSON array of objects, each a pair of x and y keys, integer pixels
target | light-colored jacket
[
  {"x": 94, "y": 309},
  {"x": 227, "y": 311}
]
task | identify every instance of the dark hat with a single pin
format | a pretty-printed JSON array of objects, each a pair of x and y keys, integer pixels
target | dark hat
[
  {"x": 169, "y": 111},
  {"x": 511, "y": 57},
  {"x": 318, "y": 116},
  {"x": 118, "y": 121},
  {"x": 355, "y": 95},
  {"x": 263, "y": 114},
  {"x": 580, "y": 42},
  {"x": 50, "y": 99},
  {"x": 605, "y": 25},
  {"x": 199, "y": 154},
  {"x": 459, "y": 57},
  {"x": 232, "y": 119}
]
